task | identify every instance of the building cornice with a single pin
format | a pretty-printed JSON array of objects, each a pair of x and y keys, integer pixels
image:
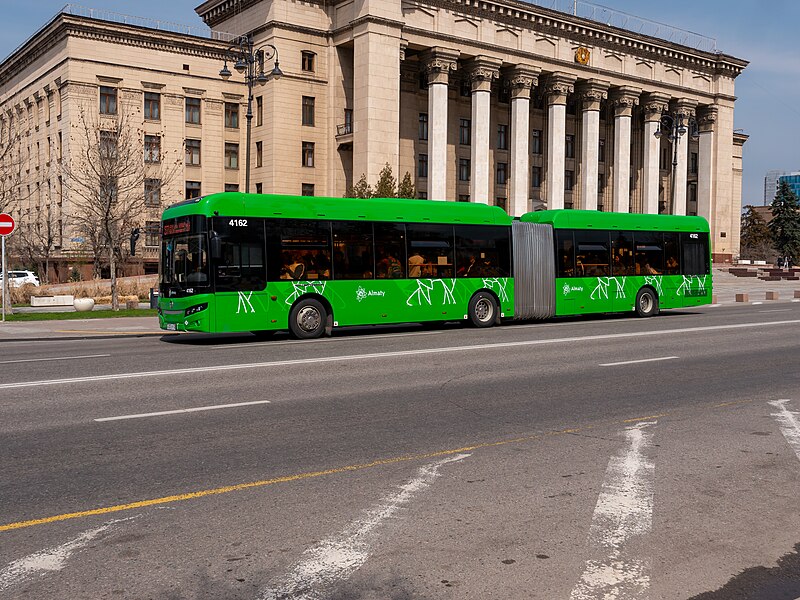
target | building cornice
[{"x": 64, "y": 26}]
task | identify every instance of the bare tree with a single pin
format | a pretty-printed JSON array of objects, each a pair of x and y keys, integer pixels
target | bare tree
[{"x": 109, "y": 176}]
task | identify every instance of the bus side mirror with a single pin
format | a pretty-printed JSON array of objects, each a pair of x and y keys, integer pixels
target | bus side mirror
[{"x": 216, "y": 246}]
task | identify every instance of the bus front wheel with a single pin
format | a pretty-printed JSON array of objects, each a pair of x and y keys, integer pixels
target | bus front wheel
[
  {"x": 646, "y": 303},
  {"x": 482, "y": 310},
  {"x": 307, "y": 319}
]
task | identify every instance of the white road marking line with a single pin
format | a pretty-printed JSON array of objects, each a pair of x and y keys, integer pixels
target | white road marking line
[
  {"x": 624, "y": 510},
  {"x": 775, "y": 310},
  {"x": 756, "y": 303},
  {"x": 338, "y": 557},
  {"x": 789, "y": 422},
  {"x": 379, "y": 355},
  {"x": 52, "y": 559},
  {"x": 181, "y": 410},
  {"x": 325, "y": 341},
  {"x": 26, "y": 360},
  {"x": 641, "y": 360}
]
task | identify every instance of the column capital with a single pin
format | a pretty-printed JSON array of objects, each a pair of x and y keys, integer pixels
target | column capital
[
  {"x": 592, "y": 92},
  {"x": 522, "y": 78},
  {"x": 558, "y": 87},
  {"x": 707, "y": 117},
  {"x": 654, "y": 104},
  {"x": 623, "y": 99},
  {"x": 684, "y": 107},
  {"x": 438, "y": 62},
  {"x": 482, "y": 71}
]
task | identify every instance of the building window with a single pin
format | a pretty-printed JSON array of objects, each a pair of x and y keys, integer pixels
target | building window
[
  {"x": 308, "y": 61},
  {"x": 192, "y": 189},
  {"x": 308, "y": 154},
  {"x": 422, "y": 195},
  {"x": 463, "y": 197},
  {"x": 308, "y": 189},
  {"x": 502, "y": 137},
  {"x": 464, "y": 132},
  {"x": 536, "y": 177},
  {"x": 601, "y": 150},
  {"x": 232, "y": 115},
  {"x": 193, "y": 152},
  {"x": 108, "y": 100},
  {"x": 193, "y": 110},
  {"x": 231, "y": 156},
  {"x": 422, "y": 165},
  {"x": 259, "y": 188},
  {"x": 466, "y": 88},
  {"x": 463, "y": 169},
  {"x": 502, "y": 173},
  {"x": 348, "y": 120},
  {"x": 152, "y": 149},
  {"x": 569, "y": 146},
  {"x": 151, "y": 230},
  {"x": 308, "y": 111},
  {"x": 231, "y": 187},
  {"x": 601, "y": 183},
  {"x": 664, "y": 159},
  {"x": 259, "y": 111},
  {"x": 152, "y": 106},
  {"x": 536, "y": 141},
  {"x": 501, "y": 202},
  {"x": 108, "y": 145},
  {"x": 569, "y": 180},
  {"x": 259, "y": 154},
  {"x": 152, "y": 193},
  {"x": 423, "y": 126},
  {"x": 693, "y": 163}
]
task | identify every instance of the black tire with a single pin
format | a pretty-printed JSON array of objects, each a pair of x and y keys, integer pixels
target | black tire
[
  {"x": 482, "y": 311},
  {"x": 646, "y": 302},
  {"x": 308, "y": 319}
]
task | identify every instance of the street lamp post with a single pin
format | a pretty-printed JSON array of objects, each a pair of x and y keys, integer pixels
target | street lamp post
[
  {"x": 249, "y": 61},
  {"x": 675, "y": 126}
]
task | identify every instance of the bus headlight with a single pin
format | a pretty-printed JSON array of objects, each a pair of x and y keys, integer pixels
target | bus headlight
[{"x": 196, "y": 309}]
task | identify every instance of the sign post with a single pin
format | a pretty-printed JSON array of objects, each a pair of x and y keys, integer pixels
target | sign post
[{"x": 7, "y": 226}]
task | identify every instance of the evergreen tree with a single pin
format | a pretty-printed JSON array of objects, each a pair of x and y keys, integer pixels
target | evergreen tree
[
  {"x": 361, "y": 189},
  {"x": 785, "y": 223},
  {"x": 756, "y": 238},
  {"x": 387, "y": 185},
  {"x": 406, "y": 188}
]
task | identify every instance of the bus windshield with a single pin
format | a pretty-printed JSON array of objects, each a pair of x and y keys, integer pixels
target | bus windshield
[{"x": 185, "y": 262}]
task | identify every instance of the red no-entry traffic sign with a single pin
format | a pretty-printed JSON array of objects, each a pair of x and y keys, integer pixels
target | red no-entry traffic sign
[{"x": 7, "y": 224}]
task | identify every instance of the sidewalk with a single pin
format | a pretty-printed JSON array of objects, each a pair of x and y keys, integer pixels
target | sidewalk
[{"x": 726, "y": 286}]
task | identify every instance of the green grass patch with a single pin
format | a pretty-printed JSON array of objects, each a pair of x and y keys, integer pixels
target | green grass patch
[{"x": 94, "y": 314}]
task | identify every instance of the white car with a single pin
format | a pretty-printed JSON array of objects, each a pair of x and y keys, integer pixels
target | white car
[{"x": 19, "y": 278}]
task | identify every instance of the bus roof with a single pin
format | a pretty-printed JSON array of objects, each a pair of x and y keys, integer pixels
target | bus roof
[
  {"x": 236, "y": 204},
  {"x": 593, "y": 219}
]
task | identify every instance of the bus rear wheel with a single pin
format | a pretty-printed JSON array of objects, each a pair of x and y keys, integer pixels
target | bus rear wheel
[
  {"x": 307, "y": 319},
  {"x": 482, "y": 310},
  {"x": 646, "y": 303}
]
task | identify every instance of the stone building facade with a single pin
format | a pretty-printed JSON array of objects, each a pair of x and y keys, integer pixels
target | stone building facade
[{"x": 493, "y": 101}]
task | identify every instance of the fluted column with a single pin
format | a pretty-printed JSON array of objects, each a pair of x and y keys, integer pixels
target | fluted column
[
  {"x": 706, "y": 119},
  {"x": 623, "y": 99},
  {"x": 523, "y": 79},
  {"x": 591, "y": 93},
  {"x": 654, "y": 105},
  {"x": 482, "y": 71},
  {"x": 438, "y": 63},
  {"x": 685, "y": 108},
  {"x": 558, "y": 87}
]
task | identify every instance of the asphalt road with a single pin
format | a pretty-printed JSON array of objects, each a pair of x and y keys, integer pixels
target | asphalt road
[{"x": 597, "y": 458}]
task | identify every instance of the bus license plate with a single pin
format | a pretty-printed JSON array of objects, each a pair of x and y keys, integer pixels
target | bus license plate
[{"x": 171, "y": 327}]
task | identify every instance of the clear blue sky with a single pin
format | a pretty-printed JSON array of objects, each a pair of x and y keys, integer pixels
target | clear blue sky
[{"x": 763, "y": 32}]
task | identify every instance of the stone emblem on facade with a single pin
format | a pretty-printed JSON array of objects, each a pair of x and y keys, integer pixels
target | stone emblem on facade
[{"x": 582, "y": 56}]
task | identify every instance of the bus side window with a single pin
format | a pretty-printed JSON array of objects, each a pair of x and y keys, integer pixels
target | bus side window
[
  {"x": 671, "y": 254},
  {"x": 565, "y": 253},
  {"x": 592, "y": 253},
  {"x": 352, "y": 250},
  {"x": 622, "y": 251},
  {"x": 305, "y": 249},
  {"x": 695, "y": 253},
  {"x": 649, "y": 253},
  {"x": 241, "y": 265},
  {"x": 390, "y": 250},
  {"x": 482, "y": 251}
]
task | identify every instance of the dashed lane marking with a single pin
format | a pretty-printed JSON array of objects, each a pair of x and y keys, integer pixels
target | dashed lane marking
[{"x": 181, "y": 411}]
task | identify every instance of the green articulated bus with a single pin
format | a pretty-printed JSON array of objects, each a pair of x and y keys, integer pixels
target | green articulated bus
[{"x": 233, "y": 262}]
